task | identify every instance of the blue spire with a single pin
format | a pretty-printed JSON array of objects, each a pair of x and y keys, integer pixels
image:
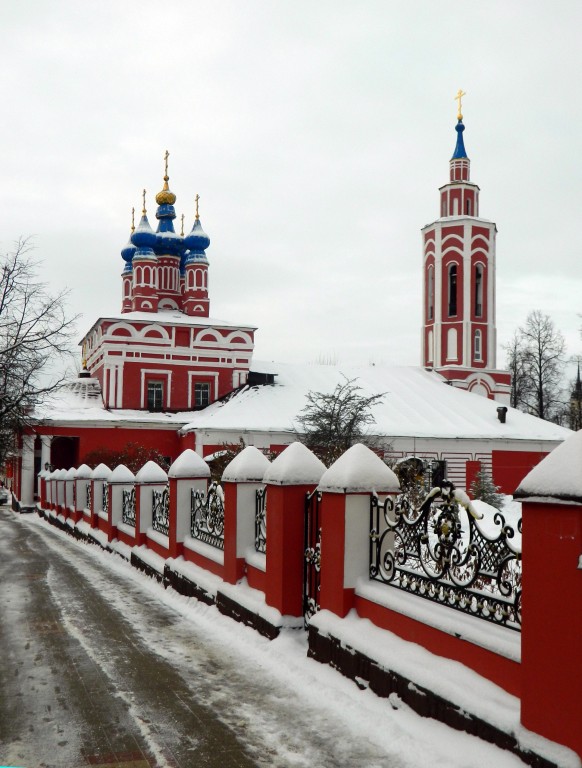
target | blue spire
[{"x": 460, "y": 151}]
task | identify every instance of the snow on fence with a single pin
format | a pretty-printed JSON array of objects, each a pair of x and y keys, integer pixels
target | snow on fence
[{"x": 340, "y": 540}]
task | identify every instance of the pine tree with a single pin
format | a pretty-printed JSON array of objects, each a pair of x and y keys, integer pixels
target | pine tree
[{"x": 484, "y": 489}]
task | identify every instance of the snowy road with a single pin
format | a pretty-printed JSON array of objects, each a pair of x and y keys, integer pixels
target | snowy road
[{"x": 101, "y": 666}]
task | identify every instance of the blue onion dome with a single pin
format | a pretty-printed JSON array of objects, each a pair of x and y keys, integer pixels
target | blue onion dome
[
  {"x": 129, "y": 250},
  {"x": 167, "y": 241},
  {"x": 144, "y": 238},
  {"x": 196, "y": 242},
  {"x": 460, "y": 146}
]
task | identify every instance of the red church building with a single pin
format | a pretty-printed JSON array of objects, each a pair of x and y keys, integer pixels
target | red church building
[{"x": 167, "y": 375}]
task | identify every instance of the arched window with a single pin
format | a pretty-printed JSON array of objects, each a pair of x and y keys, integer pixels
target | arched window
[
  {"x": 477, "y": 346},
  {"x": 430, "y": 293},
  {"x": 452, "y": 290},
  {"x": 468, "y": 207},
  {"x": 444, "y": 205},
  {"x": 478, "y": 290}
]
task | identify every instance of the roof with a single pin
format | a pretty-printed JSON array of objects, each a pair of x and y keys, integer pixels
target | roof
[
  {"x": 173, "y": 316},
  {"x": 80, "y": 402},
  {"x": 417, "y": 403}
]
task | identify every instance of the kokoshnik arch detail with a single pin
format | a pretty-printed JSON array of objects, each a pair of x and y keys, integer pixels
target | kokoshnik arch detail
[{"x": 459, "y": 328}]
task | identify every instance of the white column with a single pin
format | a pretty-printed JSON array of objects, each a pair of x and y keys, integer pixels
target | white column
[{"x": 27, "y": 481}]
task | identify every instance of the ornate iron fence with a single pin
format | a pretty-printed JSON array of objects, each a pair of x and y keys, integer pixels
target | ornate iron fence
[
  {"x": 312, "y": 558},
  {"x": 105, "y": 498},
  {"x": 89, "y": 492},
  {"x": 438, "y": 552},
  {"x": 261, "y": 521},
  {"x": 128, "y": 507},
  {"x": 161, "y": 510},
  {"x": 207, "y": 516}
]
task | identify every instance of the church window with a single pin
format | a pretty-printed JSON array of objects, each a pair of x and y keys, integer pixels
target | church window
[
  {"x": 201, "y": 394},
  {"x": 468, "y": 207},
  {"x": 477, "y": 349},
  {"x": 155, "y": 394},
  {"x": 478, "y": 290},
  {"x": 452, "y": 290},
  {"x": 430, "y": 291}
]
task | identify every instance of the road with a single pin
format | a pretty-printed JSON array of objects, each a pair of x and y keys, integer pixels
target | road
[{"x": 100, "y": 666}]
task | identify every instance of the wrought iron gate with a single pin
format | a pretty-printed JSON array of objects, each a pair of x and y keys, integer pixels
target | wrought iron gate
[{"x": 312, "y": 557}]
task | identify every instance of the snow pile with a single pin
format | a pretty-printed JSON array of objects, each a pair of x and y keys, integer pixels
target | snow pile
[
  {"x": 121, "y": 474},
  {"x": 151, "y": 473},
  {"x": 559, "y": 475},
  {"x": 189, "y": 464},
  {"x": 359, "y": 470},
  {"x": 297, "y": 465},
  {"x": 249, "y": 466}
]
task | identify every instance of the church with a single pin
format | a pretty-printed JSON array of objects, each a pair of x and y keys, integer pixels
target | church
[{"x": 167, "y": 375}]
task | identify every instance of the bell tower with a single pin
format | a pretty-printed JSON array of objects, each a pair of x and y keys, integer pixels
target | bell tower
[{"x": 459, "y": 335}]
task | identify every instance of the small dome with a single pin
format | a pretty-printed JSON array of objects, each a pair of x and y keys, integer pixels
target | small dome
[
  {"x": 166, "y": 196},
  {"x": 460, "y": 151},
  {"x": 144, "y": 237},
  {"x": 197, "y": 241},
  {"x": 127, "y": 254}
]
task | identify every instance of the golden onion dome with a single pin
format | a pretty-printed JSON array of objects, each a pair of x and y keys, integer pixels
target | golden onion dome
[{"x": 166, "y": 196}]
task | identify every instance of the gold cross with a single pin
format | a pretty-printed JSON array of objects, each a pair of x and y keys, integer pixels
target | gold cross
[
  {"x": 166, "y": 156},
  {"x": 458, "y": 98},
  {"x": 182, "y": 232},
  {"x": 144, "y": 208},
  {"x": 197, "y": 198},
  {"x": 132, "y": 220}
]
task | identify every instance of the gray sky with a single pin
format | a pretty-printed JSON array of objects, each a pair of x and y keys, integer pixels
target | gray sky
[{"x": 317, "y": 134}]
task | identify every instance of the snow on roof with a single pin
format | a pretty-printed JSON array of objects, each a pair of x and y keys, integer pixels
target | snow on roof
[
  {"x": 80, "y": 400},
  {"x": 173, "y": 316},
  {"x": 416, "y": 404},
  {"x": 248, "y": 466},
  {"x": 296, "y": 465},
  {"x": 121, "y": 474},
  {"x": 358, "y": 470},
  {"x": 559, "y": 475}
]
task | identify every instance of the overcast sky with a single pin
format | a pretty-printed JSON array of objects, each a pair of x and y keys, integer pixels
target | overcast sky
[{"x": 317, "y": 135}]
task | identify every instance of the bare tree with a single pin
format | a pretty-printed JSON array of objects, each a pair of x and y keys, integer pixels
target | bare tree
[
  {"x": 536, "y": 356},
  {"x": 35, "y": 332},
  {"x": 333, "y": 422},
  {"x": 517, "y": 363}
]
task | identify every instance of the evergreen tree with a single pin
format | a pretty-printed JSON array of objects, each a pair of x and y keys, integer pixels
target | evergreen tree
[{"x": 484, "y": 489}]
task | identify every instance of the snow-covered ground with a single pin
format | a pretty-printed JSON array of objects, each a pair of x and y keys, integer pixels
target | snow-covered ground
[{"x": 287, "y": 709}]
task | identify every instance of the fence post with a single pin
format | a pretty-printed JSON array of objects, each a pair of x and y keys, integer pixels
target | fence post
[
  {"x": 99, "y": 477},
  {"x": 60, "y": 476},
  {"x": 70, "y": 475},
  {"x": 293, "y": 474},
  {"x": 82, "y": 480},
  {"x": 241, "y": 480},
  {"x": 346, "y": 488},
  {"x": 551, "y": 627},
  {"x": 43, "y": 476},
  {"x": 188, "y": 472},
  {"x": 52, "y": 481},
  {"x": 122, "y": 479},
  {"x": 150, "y": 476}
]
